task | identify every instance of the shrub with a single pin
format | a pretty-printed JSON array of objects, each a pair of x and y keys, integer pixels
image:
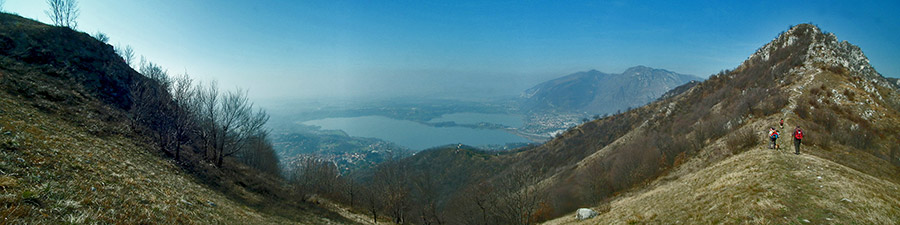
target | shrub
[
  {"x": 714, "y": 128},
  {"x": 802, "y": 111},
  {"x": 850, "y": 95},
  {"x": 815, "y": 91},
  {"x": 812, "y": 102},
  {"x": 741, "y": 140},
  {"x": 824, "y": 118},
  {"x": 859, "y": 138},
  {"x": 775, "y": 102}
]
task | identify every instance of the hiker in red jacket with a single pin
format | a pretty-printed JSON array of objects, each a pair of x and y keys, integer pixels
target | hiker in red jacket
[
  {"x": 798, "y": 135},
  {"x": 773, "y": 136}
]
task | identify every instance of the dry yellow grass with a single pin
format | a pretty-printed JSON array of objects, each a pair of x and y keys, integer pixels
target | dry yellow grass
[
  {"x": 833, "y": 184},
  {"x": 56, "y": 170},
  {"x": 760, "y": 186}
]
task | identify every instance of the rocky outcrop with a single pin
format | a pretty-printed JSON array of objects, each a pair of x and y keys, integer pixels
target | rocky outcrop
[
  {"x": 894, "y": 81},
  {"x": 69, "y": 55},
  {"x": 585, "y": 213}
]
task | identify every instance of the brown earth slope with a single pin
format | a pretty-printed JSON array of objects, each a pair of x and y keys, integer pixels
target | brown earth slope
[
  {"x": 848, "y": 171},
  {"x": 69, "y": 152}
]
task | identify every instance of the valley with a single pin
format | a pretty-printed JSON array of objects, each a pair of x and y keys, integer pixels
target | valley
[{"x": 482, "y": 113}]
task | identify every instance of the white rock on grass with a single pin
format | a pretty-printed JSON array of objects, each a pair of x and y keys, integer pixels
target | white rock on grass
[{"x": 585, "y": 213}]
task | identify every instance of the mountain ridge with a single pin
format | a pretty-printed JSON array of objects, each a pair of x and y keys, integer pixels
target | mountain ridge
[
  {"x": 850, "y": 118},
  {"x": 810, "y": 68},
  {"x": 756, "y": 186},
  {"x": 596, "y": 92}
]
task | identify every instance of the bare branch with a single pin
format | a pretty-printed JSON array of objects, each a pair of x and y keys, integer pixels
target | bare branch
[{"x": 63, "y": 12}]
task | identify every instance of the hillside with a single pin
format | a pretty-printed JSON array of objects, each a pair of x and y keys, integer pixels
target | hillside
[
  {"x": 807, "y": 77},
  {"x": 72, "y": 154},
  {"x": 72, "y": 168},
  {"x": 596, "y": 92},
  {"x": 758, "y": 186},
  {"x": 703, "y": 148},
  {"x": 295, "y": 142}
]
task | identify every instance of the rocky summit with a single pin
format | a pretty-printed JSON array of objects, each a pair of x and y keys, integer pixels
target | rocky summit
[
  {"x": 701, "y": 154},
  {"x": 726, "y": 171}
]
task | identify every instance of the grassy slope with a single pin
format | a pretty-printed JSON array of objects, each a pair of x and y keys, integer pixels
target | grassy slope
[
  {"x": 66, "y": 156},
  {"x": 760, "y": 186},
  {"x": 55, "y": 170},
  {"x": 765, "y": 186}
]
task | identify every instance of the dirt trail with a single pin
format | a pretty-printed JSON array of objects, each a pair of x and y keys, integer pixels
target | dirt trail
[
  {"x": 792, "y": 100},
  {"x": 761, "y": 186}
]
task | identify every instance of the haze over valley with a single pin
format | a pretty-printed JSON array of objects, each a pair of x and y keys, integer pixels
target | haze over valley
[{"x": 468, "y": 112}]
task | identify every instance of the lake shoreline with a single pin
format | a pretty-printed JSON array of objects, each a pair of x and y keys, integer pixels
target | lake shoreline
[{"x": 420, "y": 135}]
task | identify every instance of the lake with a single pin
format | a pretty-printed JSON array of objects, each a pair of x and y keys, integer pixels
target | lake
[
  {"x": 513, "y": 121},
  {"x": 418, "y": 136}
]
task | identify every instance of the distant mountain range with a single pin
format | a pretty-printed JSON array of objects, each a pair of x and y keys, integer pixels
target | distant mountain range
[
  {"x": 700, "y": 154},
  {"x": 595, "y": 92}
]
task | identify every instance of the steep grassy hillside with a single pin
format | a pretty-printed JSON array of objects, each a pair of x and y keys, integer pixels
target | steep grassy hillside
[
  {"x": 847, "y": 110},
  {"x": 71, "y": 153},
  {"x": 55, "y": 170},
  {"x": 762, "y": 186}
]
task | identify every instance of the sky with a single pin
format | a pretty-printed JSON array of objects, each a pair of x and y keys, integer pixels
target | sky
[{"x": 370, "y": 49}]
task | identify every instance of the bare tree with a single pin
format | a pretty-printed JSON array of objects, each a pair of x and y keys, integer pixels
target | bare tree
[
  {"x": 427, "y": 196},
  {"x": 63, "y": 12},
  {"x": 311, "y": 175},
  {"x": 183, "y": 96},
  {"x": 520, "y": 198},
  {"x": 153, "y": 106},
  {"x": 127, "y": 54},
  {"x": 259, "y": 154},
  {"x": 237, "y": 122},
  {"x": 372, "y": 200},
  {"x": 483, "y": 197},
  {"x": 206, "y": 106},
  {"x": 392, "y": 179},
  {"x": 350, "y": 190},
  {"x": 100, "y": 36},
  {"x": 155, "y": 72},
  {"x": 178, "y": 113}
]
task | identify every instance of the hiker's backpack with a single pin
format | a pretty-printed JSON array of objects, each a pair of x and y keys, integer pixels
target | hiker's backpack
[
  {"x": 775, "y": 135},
  {"x": 799, "y": 134}
]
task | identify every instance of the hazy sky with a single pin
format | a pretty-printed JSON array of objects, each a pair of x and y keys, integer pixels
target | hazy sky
[{"x": 311, "y": 49}]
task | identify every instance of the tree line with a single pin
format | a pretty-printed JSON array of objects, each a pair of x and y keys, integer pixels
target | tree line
[
  {"x": 397, "y": 191},
  {"x": 179, "y": 113},
  {"x": 196, "y": 122}
]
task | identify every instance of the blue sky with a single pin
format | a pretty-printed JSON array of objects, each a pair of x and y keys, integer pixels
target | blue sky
[{"x": 319, "y": 49}]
